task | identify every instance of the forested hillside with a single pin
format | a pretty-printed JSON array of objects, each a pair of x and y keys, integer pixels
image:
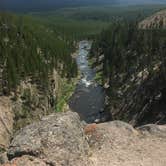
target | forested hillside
[
  {"x": 87, "y": 22},
  {"x": 133, "y": 71},
  {"x": 31, "y": 49},
  {"x": 36, "y": 67}
]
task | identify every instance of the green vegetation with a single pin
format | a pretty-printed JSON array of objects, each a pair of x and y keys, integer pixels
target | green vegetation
[
  {"x": 108, "y": 13},
  {"x": 130, "y": 55},
  {"x": 71, "y": 28},
  {"x": 86, "y": 22},
  {"x": 33, "y": 45},
  {"x": 98, "y": 77},
  {"x": 131, "y": 64},
  {"x": 29, "y": 48},
  {"x": 68, "y": 89}
]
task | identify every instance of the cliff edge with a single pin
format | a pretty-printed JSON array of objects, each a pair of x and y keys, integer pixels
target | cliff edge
[{"x": 63, "y": 140}]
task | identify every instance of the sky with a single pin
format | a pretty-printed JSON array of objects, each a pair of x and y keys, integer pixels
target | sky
[
  {"x": 142, "y": 1},
  {"x": 53, "y": 4}
]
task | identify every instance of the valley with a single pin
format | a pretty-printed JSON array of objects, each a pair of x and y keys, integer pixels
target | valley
[
  {"x": 88, "y": 99},
  {"x": 83, "y": 84}
]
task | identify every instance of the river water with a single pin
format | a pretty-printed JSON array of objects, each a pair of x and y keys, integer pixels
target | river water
[{"x": 88, "y": 98}]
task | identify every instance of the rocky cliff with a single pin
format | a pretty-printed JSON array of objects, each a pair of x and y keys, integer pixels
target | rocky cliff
[
  {"x": 37, "y": 73},
  {"x": 29, "y": 103},
  {"x": 158, "y": 20},
  {"x": 131, "y": 66},
  {"x": 141, "y": 98},
  {"x": 6, "y": 122},
  {"x": 63, "y": 140}
]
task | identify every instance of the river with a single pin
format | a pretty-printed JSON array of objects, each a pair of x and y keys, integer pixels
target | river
[{"x": 88, "y": 98}]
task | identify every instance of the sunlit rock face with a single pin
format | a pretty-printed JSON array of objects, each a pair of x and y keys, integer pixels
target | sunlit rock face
[
  {"x": 63, "y": 140},
  {"x": 156, "y": 21},
  {"x": 57, "y": 139},
  {"x": 6, "y": 122}
]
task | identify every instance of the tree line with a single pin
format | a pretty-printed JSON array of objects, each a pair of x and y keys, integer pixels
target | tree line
[
  {"x": 30, "y": 48},
  {"x": 128, "y": 50}
]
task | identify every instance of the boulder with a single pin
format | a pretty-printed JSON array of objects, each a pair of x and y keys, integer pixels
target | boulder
[
  {"x": 6, "y": 122},
  {"x": 58, "y": 139},
  {"x": 103, "y": 134},
  {"x": 119, "y": 144},
  {"x": 63, "y": 140}
]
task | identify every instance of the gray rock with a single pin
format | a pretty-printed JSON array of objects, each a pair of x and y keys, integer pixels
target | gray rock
[
  {"x": 119, "y": 144},
  {"x": 157, "y": 130},
  {"x": 122, "y": 125},
  {"x": 58, "y": 139},
  {"x": 63, "y": 140},
  {"x": 26, "y": 161}
]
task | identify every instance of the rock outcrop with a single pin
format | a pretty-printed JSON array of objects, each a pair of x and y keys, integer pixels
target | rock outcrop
[
  {"x": 142, "y": 99},
  {"x": 63, "y": 140},
  {"x": 57, "y": 139},
  {"x": 6, "y": 122},
  {"x": 119, "y": 144},
  {"x": 158, "y": 20},
  {"x": 26, "y": 161},
  {"x": 30, "y": 102}
]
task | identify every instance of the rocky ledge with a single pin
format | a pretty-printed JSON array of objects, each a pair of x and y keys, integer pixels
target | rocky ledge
[
  {"x": 6, "y": 123},
  {"x": 63, "y": 140},
  {"x": 157, "y": 20}
]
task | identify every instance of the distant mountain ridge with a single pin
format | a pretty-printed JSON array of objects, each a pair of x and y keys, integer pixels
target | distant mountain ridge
[{"x": 48, "y": 4}]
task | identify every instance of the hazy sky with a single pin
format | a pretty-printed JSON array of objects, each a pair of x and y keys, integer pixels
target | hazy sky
[
  {"x": 46, "y": 4},
  {"x": 141, "y": 1}
]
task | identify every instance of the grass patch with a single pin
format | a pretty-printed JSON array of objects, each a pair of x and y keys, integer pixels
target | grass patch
[
  {"x": 68, "y": 89},
  {"x": 99, "y": 78}
]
